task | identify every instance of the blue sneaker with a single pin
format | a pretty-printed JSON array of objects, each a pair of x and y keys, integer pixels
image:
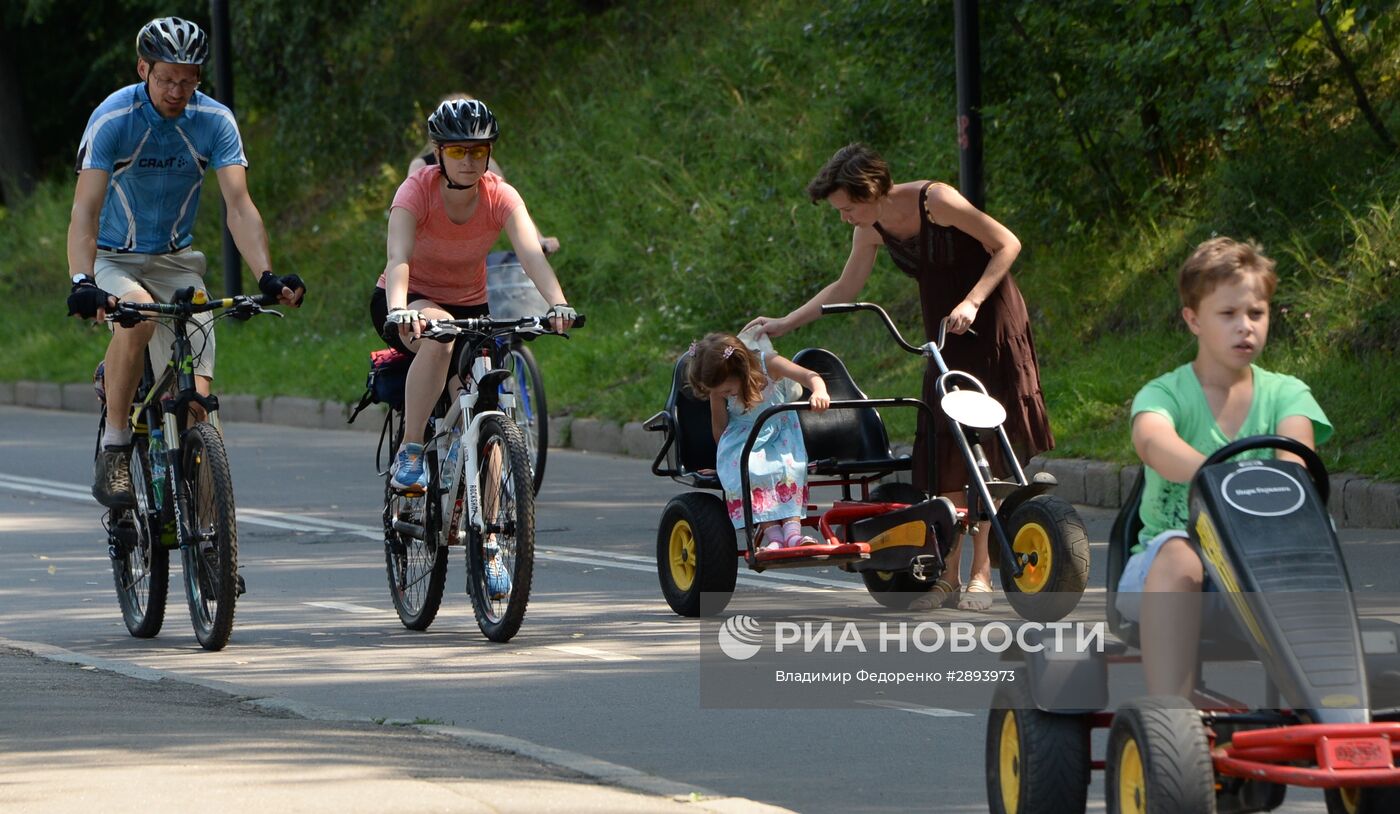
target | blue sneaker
[
  {"x": 407, "y": 473},
  {"x": 497, "y": 578}
]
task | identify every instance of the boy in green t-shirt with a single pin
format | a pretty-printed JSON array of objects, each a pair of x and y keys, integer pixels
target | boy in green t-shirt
[{"x": 1181, "y": 417}]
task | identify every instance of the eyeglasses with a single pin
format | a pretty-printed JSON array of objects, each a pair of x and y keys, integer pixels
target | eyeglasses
[
  {"x": 184, "y": 85},
  {"x": 457, "y": 152}
]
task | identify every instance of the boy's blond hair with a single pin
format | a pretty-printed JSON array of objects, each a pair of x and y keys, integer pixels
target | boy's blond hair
[{"x": 1222, "y": 260}]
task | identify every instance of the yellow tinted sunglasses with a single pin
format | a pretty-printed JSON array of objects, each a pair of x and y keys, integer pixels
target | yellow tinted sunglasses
[{"x": 457, "y": 152}]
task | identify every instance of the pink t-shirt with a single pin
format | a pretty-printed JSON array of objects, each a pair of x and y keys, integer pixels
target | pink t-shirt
[{"x": 448, "y": 265}]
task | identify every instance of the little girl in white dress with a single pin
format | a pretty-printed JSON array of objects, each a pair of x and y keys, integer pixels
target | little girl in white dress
[{"x": 740, "y": 384}]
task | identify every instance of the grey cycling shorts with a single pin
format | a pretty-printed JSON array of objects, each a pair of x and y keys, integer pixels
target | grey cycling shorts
[{"x": 161, "y": 275}]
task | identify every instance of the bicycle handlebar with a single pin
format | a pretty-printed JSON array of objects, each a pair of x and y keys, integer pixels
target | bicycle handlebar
[
  {"x": 444, "y": 330},
  {"x": 185, "y": 304},
  {"x": 847, "y": 307}
]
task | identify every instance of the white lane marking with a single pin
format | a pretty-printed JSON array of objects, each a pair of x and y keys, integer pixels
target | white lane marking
[
  {"x": 590, "y": 652},
  {"x": 37, "y": 488},
  {"x": 314, "y": 523},
  {"x": 345, "y": 606},
  {"x": 271, "y": 519},
  {"x": 936, "y": 712},
  {"x": 651, "y": 566}
]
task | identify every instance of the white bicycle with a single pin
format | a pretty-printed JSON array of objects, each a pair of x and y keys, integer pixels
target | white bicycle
[{"x": 480, "y": 488}]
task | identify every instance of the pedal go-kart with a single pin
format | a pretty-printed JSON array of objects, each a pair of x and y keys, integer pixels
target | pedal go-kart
[
  {"x": 893, "y": 535},
  {"x": 1329, "y": 718}
]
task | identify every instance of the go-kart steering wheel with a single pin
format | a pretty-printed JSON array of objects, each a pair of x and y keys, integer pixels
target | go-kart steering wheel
[{"x": 1316, "y": 468}]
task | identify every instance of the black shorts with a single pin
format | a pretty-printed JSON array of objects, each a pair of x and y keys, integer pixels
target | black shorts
[{"x": 379, "y": 311}]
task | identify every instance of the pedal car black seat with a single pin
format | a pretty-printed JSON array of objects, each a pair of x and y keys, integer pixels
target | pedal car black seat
[
  {"x": 843, "y": 441},
  {"x": 694, "y": 446},
  {"x": 1121, "y": 538}
]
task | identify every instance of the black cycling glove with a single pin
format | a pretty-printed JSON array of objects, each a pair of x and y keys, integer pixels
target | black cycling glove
[
  {"x": 272, "y": 285},
  {"x": 86, "y": 298}
]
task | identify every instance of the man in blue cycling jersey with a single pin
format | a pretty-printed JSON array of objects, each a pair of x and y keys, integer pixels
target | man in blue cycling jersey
[{"x": 141, "y": 165}]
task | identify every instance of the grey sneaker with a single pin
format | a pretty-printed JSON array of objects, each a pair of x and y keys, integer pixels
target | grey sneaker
[{"x": 112, "y": 484}]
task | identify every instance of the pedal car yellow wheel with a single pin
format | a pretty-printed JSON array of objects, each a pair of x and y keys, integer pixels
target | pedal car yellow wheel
[
  {"x": 1362, "y": 801},
  {"x": 895, "y": 589},
  {"x": 697, "y": 555},
  {"x": 1047, "y": 535},
  {"x": 1037, "y": 761},
  {"x": 1158, "y": 759}
]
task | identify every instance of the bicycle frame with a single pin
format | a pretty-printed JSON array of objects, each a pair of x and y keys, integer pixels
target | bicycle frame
[
  {"x": 168, "y": 398},
  {"x": 450, "y": 500}
]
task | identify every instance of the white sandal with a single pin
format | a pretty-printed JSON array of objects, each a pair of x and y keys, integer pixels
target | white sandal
[
  {"x": 976, "y": 595},
  {"x": 941, "y": 595}
]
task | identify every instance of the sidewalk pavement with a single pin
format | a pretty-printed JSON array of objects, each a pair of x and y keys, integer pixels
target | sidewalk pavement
[
  {"x": 75, "y": 737},
  {"x": 1355, "y": 501}
]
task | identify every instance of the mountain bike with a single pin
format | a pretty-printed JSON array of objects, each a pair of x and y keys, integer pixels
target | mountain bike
[
  {"x": 480, "y": 491},
  {"x": 181, "y": 479}
]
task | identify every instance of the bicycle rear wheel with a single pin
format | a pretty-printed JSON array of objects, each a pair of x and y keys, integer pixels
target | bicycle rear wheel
[
  {"x": 499, "y": 579},
  {"x": 209, "y": 544},
  {"x": 531, "y": 414},
  {"x": 140, "y": 562}
]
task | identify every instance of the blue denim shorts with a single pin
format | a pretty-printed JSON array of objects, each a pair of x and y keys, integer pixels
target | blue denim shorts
[{"x": 1134, "y": 579}]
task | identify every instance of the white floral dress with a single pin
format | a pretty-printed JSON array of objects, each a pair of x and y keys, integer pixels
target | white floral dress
[{"x": 777, "y": 462}]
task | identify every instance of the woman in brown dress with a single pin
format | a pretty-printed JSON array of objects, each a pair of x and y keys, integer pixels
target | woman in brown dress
[{"x": 961, "y": 259}]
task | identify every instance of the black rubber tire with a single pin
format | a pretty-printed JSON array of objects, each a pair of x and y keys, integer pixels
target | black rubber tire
[
  {"x": 534, "y": 422},
  {"x": 895, "y": 589},
  {"x": 211, "y": 577},
  {"x": 1159, "y": 758},
  {"x": 1380, "y": 800},
  {"x": 513, "y": 495},
  {"x": 416, "y": 569},
  {"x": 697, "y": 554},
  {"x": 141, "y": 574},
  {"x": 1047, "y": 592},
  {"x": 1037, "y": 761}
]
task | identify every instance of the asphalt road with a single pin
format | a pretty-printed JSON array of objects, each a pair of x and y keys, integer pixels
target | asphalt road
[{"x": 601, "y": 666}]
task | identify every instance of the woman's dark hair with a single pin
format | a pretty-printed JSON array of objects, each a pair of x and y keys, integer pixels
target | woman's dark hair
[{"x": 855, "y": 168}]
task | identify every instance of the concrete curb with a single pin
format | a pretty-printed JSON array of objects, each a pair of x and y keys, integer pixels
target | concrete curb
[
  {"x": 600, "y": 771},
  {"x": 1355, "y": 501}
]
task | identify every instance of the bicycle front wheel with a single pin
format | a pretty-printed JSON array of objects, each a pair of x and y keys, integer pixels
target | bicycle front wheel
[
  {"x": 501, "y": 561},
  {"x": 415, "y": 553},
  {"x": 209, "y": 544},
  {"x": 140, "y": 562},
  {"x": 531, "y": 414}
]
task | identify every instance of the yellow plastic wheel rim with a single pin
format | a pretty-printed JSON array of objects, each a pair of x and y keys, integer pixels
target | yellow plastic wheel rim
[
  {"x": 1132, "y": 786},
  {"x": 1351, "y": 798},
  {"x": 1032, "y": 538},
  {"x": 1009, "y": 764},
  {"x": 682, "y": 552}
]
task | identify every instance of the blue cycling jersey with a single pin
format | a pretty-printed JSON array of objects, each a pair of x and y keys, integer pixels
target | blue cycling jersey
[{"x": 156, "y": 166}]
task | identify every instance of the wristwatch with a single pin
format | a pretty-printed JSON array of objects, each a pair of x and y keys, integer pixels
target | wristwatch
[{"x": 81, "y": 279}]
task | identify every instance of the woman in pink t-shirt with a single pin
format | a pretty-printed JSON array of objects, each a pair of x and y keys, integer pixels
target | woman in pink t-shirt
[{"x": 444, "y": 220}]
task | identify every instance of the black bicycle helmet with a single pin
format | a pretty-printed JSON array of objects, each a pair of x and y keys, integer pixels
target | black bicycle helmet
[
  {"x": 462, "y": 120},
  {"x": 172, "y": 40}
]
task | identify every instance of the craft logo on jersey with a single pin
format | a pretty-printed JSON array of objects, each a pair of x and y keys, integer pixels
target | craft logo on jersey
[{"x": 174, "y": 162}]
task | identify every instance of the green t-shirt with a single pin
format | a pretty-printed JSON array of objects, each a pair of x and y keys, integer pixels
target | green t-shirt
[{"x": 1178, "y": 396}]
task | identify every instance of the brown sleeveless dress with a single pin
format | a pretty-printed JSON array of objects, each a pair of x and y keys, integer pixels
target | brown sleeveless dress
[{"x": 947, "y": 262}]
